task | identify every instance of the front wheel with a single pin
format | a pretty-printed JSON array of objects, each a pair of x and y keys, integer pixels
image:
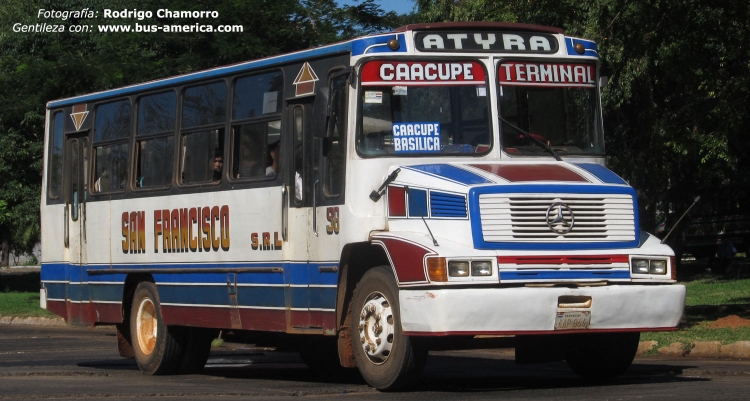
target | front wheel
[
  {"x": 386, "y": 358},
  {"x": 601, "y": 357}
]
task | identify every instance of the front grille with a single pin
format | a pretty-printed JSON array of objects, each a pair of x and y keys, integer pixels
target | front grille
[{"x": 522, "y": 217}]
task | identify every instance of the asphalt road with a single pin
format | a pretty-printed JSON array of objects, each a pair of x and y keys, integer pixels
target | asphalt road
[{"x": 67, "y": 363}]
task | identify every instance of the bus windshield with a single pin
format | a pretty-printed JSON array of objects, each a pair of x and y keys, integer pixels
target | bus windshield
[
  {"x": 554, "y": 102},
  {"x": 423, "y": 108}
]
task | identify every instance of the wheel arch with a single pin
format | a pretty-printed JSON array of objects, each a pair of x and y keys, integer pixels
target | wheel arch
[{"x": 356, "y": 260}]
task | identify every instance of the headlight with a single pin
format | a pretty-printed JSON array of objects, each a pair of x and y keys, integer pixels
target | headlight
[
  {"x": 649, "y": 266},
  {"x": 458, "y": 268},
  {"x": 640, "y": 266},
  {"x": 481, "y": 268},
  {"x": 658, "y": 267}
]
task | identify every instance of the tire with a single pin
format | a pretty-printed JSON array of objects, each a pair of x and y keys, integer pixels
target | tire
[
  {"x": 387, "y": 359},
  {"x": 321, "y": 354},
  {"x": 196, "y": 345},
  {"x": 601, "y": 357},
  {"x": 156, "y": 346}
]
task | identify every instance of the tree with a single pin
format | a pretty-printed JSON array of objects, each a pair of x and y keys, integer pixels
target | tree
[
  {"x": 676, "y": 108},
  {"x": 39, "y": 67}
]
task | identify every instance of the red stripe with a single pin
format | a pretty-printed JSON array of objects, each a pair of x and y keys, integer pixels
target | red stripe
[
  {"x": 217, "y": 318},
  {"x": 563, "y": 259},
  {"x": 59, "y": 308},
  {"x": 108, "y": 313},
  {"x": 408, "y": 259},
  {"x": 531, "y": 172},
  {"x": 263, "y": 319}
]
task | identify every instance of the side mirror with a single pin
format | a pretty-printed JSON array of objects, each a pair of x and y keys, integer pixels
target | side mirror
[{"x": 603, "y": 82}]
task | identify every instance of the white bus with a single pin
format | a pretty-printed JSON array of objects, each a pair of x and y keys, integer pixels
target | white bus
[{"x": 361, "y": 200}]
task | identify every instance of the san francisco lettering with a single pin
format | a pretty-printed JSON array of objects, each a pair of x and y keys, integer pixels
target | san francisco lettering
[
  {"x": 515, "y": 42},
  {"x": 196, "y": 229},
  {"x": 134, "y": 232}
]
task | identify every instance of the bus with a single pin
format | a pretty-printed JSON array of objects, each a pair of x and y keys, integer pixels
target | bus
[{"x": 366, "y": 200}]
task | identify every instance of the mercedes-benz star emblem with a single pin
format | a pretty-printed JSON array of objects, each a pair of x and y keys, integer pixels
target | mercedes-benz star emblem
[{"x": 560, "y": 218}]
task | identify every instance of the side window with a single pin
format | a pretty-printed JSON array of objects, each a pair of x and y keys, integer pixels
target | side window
[
  {"x": 257, "y": 148},
  {"x": 334, "y": 147},
  {"x": 56, "y": 156},
  {"x": 111, "y": 133},
  {"x": 256, "y": 126},
  {"x": 298, "y": 116},
  {"x": 202, "y": 133},
  {"x": 154, "y": 144}
]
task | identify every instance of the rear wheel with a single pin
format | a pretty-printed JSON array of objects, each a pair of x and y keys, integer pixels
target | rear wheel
[
  {"x": 387, "y": 359},
  {"x": 156, "y": 346},
  {"x": 196, "y": 345},
  {"x": 603, "y": 356}
]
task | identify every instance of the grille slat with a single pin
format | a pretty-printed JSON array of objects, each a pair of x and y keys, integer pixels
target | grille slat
[{"x": 522, "y": 218}]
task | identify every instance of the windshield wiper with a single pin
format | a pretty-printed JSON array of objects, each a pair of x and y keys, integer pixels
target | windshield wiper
[{"x": 537, "y": 141}]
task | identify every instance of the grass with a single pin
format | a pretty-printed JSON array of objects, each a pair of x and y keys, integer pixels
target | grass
[
  {"x": 717, "y": 291},
  {"x": 708, "y": 299},
  {"x": 22, "y": 304}
]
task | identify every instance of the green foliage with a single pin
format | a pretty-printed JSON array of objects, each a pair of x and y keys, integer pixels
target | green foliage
[
  {"x": 36, "y": 68},
  {"x": 677, "y": 106}
]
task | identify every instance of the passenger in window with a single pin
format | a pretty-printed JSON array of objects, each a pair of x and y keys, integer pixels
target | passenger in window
[
  {"x": 251, "y": 162},
  {"x": 273, "y": 151},
  {"x": 102, "y": 183},
  {"x": 218, "y": 165}
]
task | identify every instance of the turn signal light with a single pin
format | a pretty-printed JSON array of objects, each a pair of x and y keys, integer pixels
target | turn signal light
[
  {"x": 673, "y": 265},
  {"x": 437, "y": 270}
]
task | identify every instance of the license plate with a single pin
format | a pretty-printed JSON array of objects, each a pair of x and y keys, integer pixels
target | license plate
[{"x": 572, "y": 320}]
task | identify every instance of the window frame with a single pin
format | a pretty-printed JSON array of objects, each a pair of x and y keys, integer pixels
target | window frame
[
  {"x": 109, "y": 142},
  {"x": 481, "y": 60},
  {"x": 153, "y": 135}
]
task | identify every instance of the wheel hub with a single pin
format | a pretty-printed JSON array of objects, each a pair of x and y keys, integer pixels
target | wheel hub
[
  {"x": 146, "y": 326},
  {"x": 376, "y": 328}
]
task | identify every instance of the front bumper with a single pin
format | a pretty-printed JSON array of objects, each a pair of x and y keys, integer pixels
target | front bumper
[{"x": 532, "y": 310}]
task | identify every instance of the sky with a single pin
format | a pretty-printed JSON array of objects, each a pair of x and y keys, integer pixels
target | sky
[{"x": 399, "y": 6}]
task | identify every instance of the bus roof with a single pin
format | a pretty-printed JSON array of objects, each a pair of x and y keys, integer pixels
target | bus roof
[{"x": 357, "y": 47}]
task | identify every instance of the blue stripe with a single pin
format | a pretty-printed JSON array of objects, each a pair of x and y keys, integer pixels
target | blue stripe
[
  {"x": 261, "y": 296},
  {"x": 592, "y": 50},
  {"x": 296, "y": 273},
  {"x": 56, "y": 290},
  {"x": 476, "y": 222},
  {"x": 417, "y": 202},
  {"x": 105, "y": 292},
  {"x": 378, "y": 45},
  {"x": 602, "y": 173},
  {"x": 203, "y": 295},
  {"x": 565, "y": 275},
  {"x": 452, "y": 173}
]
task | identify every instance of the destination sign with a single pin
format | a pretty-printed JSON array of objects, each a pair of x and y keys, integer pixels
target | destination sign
[
  {"x": 422, "y": 73},
  {"x": 547, "y": 74},
  {"x": 505, "y": 42}
]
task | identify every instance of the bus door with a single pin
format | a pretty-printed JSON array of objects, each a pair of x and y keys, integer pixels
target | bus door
[
  {"x": 314, "y": 190},
  {"x": 75, "y": 190},
  {"x": 328, "y": 175},
  {"x": 297, "y": 211}
]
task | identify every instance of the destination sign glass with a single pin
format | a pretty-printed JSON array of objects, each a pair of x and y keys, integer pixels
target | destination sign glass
[{"x": 496, "y": 42}]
